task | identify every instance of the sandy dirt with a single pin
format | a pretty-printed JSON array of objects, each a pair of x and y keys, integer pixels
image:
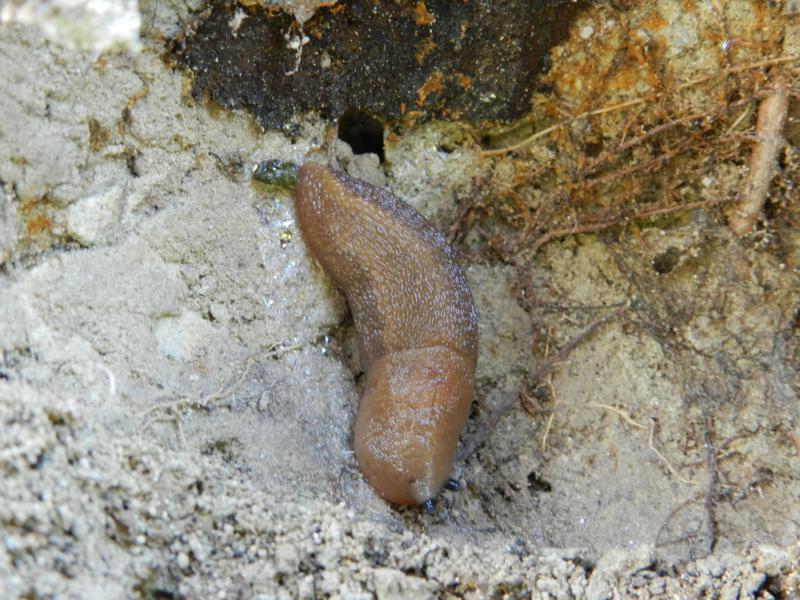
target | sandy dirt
[{"x": 177, "y": 379}]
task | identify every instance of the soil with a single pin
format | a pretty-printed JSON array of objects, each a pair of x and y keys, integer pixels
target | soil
[{"x": 177, "y": 376}]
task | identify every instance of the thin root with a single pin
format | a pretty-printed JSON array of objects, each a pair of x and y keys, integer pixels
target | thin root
[
  {"x": 173, "y": 409},
  {"x": 635, "y": 102},
  {"x": 552, "y": 414},
  {"x": 488, "y": 425}
]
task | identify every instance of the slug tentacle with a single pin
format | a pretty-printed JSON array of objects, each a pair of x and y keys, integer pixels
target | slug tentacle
[{"x": 416, "y": 325}]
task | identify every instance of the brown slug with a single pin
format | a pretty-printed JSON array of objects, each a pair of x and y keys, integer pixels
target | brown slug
[{"x": 415, "y": 322}]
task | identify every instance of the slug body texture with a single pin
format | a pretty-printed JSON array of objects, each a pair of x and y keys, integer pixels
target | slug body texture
[{"x": 416, "y": 328}]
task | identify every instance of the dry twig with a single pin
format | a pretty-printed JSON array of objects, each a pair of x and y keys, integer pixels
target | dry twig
[{"x": 771, "y": 121}]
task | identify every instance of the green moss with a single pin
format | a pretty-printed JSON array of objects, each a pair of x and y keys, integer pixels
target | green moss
[{"x": 276, "y": 173}]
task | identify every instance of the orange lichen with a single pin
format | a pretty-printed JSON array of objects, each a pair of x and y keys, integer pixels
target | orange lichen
[
  {"x": 38, "y": 224},
  {"x": 464, "y": 81},
  {"x": 424, "y": 48},
  {"x": 631, "y": 79},
  {"x": 760, "y": 12},
  {"x": 638, "y": 52},
  {"x": 411, "y": 117},
  {"x": 34, "y": 216},
  {"x": 654, "y": 22},
  {"x": 433, "y": 85},
  {"x": 421, "y": 14}
]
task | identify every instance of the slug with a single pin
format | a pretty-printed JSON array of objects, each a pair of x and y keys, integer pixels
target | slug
[{"x": 416, "y": 328}]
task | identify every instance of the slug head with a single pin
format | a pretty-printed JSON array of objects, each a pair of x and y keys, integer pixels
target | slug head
[{"x": 414, "y": 407}]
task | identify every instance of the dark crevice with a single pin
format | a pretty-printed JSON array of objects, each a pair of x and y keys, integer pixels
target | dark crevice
[{"x": 362, "y": 131}]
